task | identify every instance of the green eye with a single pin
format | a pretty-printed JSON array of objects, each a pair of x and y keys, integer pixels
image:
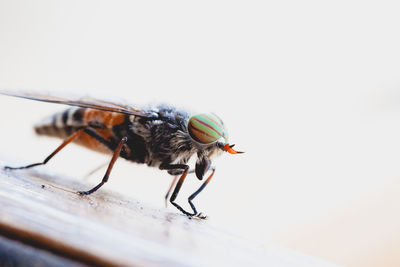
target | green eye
[{"x": 206, "y": 128}]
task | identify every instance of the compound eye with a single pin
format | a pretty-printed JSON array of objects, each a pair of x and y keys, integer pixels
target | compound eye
[{"x": 205, "y": 128}]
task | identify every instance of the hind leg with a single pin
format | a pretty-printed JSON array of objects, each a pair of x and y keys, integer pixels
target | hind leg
[{"x": 70, "y": 139}]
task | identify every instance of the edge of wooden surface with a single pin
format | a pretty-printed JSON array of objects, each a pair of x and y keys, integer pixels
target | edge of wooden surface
[{"x": 51, "y": 245}]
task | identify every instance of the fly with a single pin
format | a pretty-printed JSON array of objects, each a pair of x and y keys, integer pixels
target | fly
[{"x": 161, "y": 136}]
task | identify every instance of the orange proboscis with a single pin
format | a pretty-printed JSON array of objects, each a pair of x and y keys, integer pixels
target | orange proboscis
[{"x": 228, "y": 148}]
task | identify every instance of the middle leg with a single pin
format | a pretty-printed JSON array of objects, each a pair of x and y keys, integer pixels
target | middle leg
[
  {"x": 172, "y": 186},
  {"x": 178, "y": 186}
]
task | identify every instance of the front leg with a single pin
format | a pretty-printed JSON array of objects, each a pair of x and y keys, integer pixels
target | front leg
[
  {"x": 178, "y": 186},
  {"x": 200, "y": 215}
]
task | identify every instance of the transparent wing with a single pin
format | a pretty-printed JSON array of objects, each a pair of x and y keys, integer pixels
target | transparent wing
[{"x": 85, "y": 101}]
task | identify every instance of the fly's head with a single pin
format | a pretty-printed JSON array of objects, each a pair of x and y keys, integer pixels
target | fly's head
[{"x": 210, "y": 135}]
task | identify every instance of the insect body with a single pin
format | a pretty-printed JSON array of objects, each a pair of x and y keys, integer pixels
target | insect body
[{"x": 160, "y": 136}]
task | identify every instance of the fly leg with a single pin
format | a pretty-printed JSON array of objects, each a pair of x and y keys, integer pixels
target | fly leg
[
  {"x": 169, "y": 190},
  {"x": 91, "y": 132},
  {"x": 171, "y": 186},
  {"x": 66, "y": 142},
  {"x": 200, "y": 215},
  {"x": 95, "y": 170},
  {"x": 178, "y": 185},
  {"x": 110, "y": 166}
]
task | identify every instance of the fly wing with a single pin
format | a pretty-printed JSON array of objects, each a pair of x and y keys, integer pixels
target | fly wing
[{"x": 85, "y": 101}]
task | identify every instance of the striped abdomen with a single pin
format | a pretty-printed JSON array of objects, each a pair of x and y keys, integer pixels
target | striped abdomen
[{"x": 66, "y": 123}]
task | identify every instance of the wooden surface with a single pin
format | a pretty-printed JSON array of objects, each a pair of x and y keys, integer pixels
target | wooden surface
[{"x": 42, "y": 211}]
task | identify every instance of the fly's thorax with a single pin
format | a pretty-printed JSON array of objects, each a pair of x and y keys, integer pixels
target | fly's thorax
[
  {"x": 182, "y": 148},
  {"x": 165, "y": 136}
]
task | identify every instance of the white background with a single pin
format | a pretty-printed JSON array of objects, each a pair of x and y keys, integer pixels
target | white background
[{"x": 309, "y": 89}]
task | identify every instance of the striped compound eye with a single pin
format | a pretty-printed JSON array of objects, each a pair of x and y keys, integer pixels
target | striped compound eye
[{"x": 206, "y": 128}]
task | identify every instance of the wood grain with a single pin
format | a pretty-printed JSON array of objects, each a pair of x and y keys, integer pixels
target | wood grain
[{"x": 42, "y": 210}]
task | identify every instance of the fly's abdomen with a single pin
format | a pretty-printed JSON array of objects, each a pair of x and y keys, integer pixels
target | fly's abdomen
[
  {"x": 65, "y": 123},
  {"x": 62, "y": 124}
]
